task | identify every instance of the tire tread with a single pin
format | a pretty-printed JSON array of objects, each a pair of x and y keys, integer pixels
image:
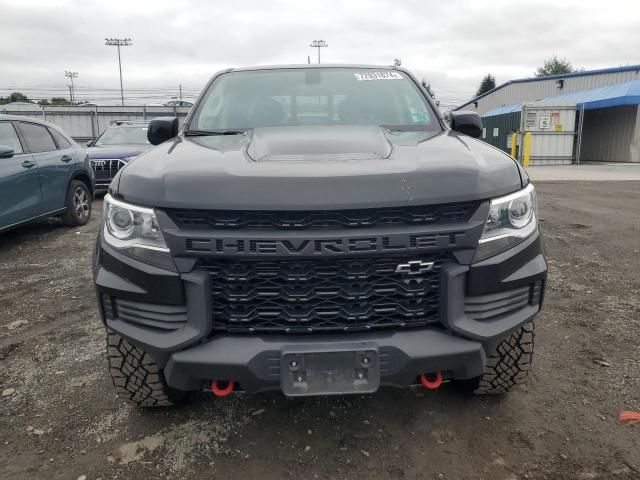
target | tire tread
[
  {"x": 509, "y": 364},
  {"x": 135, "y": 375}
]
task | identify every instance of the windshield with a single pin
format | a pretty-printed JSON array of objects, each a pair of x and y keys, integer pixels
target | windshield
[
  {"x": 314, "y": 96},
  {"x": 127, "y": 135}
]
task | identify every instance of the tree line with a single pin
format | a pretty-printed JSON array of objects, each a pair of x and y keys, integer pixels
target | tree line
[{"x": 21, "y": 97}]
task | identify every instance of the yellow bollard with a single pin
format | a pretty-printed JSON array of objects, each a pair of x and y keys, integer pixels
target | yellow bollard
[
  {"x": 514, "y": 144},
  {"x": 527, "y": 149}
]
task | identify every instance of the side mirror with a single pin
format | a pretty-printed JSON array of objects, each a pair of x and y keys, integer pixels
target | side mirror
[
  {"x": 6, "y": 152},
  {"x": 468, "y": 123},
  {"x": 90, "y": 143},
  {"x": 162, "y": 129}
]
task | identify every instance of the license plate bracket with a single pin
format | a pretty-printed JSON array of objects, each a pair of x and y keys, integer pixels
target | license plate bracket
[{"x": 329, "y": 372}]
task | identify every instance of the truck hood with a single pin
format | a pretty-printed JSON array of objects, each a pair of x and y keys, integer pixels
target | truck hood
[{"x": 333, "y": 167}]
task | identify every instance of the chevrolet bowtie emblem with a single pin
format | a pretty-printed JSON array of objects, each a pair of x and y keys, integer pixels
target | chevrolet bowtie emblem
[{"x": 414, "y": 267}]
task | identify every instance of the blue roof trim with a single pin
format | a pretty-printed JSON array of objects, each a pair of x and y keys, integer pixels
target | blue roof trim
[
  {"x": 611, "y": 103},
  {"x": 516, "y": 107},
  {"x": 627, "y": 93},
  {"x": 601, "y": 71}
]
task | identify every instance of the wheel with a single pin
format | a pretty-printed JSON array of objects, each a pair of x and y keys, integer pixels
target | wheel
[
  {"x": 136, "y": 376},
  {"x": 78, "y": 204},
  {"x": 508, "y": 364}
]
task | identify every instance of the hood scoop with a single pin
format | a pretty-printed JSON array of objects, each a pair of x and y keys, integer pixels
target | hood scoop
[{"x": 332, "y": 143}]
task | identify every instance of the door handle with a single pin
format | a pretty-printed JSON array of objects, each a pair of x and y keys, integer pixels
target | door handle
[
  {"x": 28, "y": 164},
  {"x": 66, "y": 158}
]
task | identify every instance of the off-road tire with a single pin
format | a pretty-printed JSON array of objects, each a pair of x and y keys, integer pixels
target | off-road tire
[
  {"x": 136, "y": 376},
  {"x": 78, "y": 204},
  {"x": 508, "y": 363}
]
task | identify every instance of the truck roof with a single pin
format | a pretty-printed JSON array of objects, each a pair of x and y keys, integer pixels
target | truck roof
[{"x": 314, "y": 65}]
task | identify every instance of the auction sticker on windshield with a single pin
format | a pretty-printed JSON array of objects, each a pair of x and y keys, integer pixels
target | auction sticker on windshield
[{"x": 378, "y": 76}]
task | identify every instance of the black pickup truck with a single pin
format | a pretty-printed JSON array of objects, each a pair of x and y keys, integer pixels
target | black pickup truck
[{"x": 318, "y": 230}]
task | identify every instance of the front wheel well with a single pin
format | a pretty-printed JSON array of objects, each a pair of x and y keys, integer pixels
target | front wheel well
[{"x": 84, "y": 178}]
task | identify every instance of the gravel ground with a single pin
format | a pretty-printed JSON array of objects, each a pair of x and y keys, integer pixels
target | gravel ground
[{"x": 60, "y": 418}]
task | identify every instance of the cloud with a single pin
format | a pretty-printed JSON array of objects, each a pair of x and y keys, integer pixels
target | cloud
[{"x": 451, "y": 44}]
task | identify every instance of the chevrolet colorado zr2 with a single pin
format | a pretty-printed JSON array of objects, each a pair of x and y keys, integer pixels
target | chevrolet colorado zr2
[{"x": 318, "y": 230}]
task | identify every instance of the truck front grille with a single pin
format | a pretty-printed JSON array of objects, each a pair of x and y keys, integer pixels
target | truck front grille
[
  {"x": 322, "y": 295},
  {"x": 323, "y": 219}
]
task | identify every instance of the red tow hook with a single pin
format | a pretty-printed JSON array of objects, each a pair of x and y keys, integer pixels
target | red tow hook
[
  {"x": 431, "y": 384},
  {"x": 219, "y": 391}
]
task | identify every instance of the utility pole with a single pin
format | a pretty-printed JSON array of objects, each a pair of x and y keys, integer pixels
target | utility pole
[
  {"x": 119, "y": 42},
  {"x": 318, "y": 44},
  {"x": 71, "y": 76},
  {"x": 180, "y": 92}
]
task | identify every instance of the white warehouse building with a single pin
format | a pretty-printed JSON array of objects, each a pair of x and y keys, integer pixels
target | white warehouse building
[{"x": 581, "y": 116}]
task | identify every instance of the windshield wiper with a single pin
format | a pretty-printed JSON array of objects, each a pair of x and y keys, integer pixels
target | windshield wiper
[
  {"x": 204, "y": 133},
  {"x": 407, "y": 128}
]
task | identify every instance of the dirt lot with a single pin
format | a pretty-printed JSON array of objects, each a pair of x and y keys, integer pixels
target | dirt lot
[{"x": 63, "y": 419}]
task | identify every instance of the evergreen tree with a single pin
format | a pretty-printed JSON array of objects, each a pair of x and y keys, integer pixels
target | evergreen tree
[{"x": 487, "y": 83}]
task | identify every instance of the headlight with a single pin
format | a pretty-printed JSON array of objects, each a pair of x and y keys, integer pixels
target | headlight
[
  {"x": 134, "y": 231},
  {"x": 511, "y": 219}
]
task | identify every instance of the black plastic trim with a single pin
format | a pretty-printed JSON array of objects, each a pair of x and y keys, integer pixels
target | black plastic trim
[
  {"x": 122, "y": 276},
  {"x": 158, "y": 344},
  {"x": 452, "y": 307},
  {"x": 516, "y": 267}
]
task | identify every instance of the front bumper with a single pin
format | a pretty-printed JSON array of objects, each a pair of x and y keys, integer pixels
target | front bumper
[
  {"x": 254, "y": 362},
  {"x": 192, "y": 355}
]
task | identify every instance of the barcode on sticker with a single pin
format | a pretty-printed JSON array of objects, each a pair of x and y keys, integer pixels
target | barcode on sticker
[{"x": 378, "y": 76}]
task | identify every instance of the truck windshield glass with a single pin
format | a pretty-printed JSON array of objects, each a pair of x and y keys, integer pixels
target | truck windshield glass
[
  {"x": 314, "y": 96},
  {"x": 123, "y": 136}
]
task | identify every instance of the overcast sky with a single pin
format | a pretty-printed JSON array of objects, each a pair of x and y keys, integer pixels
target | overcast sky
[{"x": 451, "y": 44}]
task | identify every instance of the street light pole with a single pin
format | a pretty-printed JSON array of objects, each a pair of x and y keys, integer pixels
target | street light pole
[
  {"x": 319, "y": 44},
  {"x": 119, "y": 42},
  {"x": 71, "y": 76}
]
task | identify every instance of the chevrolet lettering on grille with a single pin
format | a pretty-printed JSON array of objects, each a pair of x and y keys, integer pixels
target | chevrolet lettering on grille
[{"x": 316, "y": 247}]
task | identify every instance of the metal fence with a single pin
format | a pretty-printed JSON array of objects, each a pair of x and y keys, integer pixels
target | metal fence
[{"x": 84, "y": 123}]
